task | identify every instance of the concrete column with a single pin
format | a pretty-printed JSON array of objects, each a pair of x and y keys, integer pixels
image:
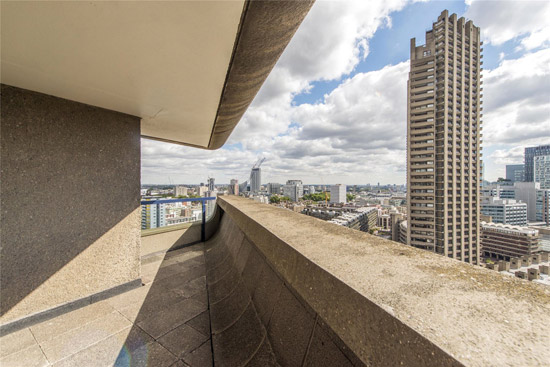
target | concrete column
[{"x": 70, "y": 196}]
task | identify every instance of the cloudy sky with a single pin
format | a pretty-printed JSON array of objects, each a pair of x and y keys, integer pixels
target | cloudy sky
[{"x": 333, "y": 110}]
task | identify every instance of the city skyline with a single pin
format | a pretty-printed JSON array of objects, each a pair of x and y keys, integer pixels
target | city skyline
[{"x": 328, "y": 122}]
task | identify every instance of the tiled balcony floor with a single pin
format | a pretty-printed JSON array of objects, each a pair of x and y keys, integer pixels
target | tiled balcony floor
[{"x": 163, "y": 323}]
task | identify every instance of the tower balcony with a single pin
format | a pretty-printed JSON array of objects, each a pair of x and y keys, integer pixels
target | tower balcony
[{"x": 255, "y": 285}]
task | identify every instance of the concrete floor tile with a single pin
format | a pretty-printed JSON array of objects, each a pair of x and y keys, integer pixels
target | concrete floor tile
[
  {"x": 28, "y": 357},
  {"x": 191, "y": 288},
  {"x": 238, "y": 344},
  {"x": 16, "y": 341},
  {"x": 224, "y": 313},
  {"x": 129, "y": 347},
  {"x": 153, "y": 303},
  {"x": 202, "y": 297},
  {"x": 226, "y": 285},
  {"x": 153, "y": 354},
  {"x": 201, "y": 323},
  {"x": 171, "y": 317},
  {"x": 183, "y": 340},
  {"x": 200, "y": 357},
  {"x": 75, "y": 319},
  {"x": 177, "y": 281},
  {"x": 252, "y": 270},
  {"x": 323, "y": 352},
  {"x": 75, "y": 340},
  {"x": 182, "y": 256},
  {"x": 264, "y": 357},
  {"x": 290, "y": 329},
  {"x": 267, "y": 292}
]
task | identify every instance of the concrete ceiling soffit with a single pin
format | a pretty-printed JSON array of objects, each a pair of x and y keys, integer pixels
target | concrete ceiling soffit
[{"x": 266, "y": 29}]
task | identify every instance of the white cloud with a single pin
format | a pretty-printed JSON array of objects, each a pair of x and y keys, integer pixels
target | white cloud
[
  {"x": 501, "y": 21},
  {"x": 330, "y": 43},
  {"x": 508, "y": 156},
  {"x": 517, "y": 101},
  {"x": 357, "y": 133}
]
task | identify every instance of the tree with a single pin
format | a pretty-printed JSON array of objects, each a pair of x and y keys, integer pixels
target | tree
[
  {"x": 276, "y": 199},
  {"x": 350, "y": 197},
  {"x": 318, "y": 196}
]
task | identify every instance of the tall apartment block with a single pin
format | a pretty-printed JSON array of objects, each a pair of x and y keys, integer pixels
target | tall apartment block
[
  {"x": 255, "y": 180},
  {"x": 529, "y": 160},
  {"x": 338, "y": 193},
  {"x": 515, "y": 172},
  {"x": 444, "y": 140},
  {"x": 541, "y": 171}
]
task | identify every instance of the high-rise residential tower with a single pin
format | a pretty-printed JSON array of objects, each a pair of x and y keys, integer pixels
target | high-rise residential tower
[
  {"x": 444, "y": 140},
  {"x": 211, "y": 185},
  {"x": 529, "y": 160},
  {"x": 515, "y": 172},
  {"x": 338, "y": 193},
  {"x": 255, "y": 179}
]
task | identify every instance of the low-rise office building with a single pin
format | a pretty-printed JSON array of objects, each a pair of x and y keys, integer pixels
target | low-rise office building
[
  {"x": 363, "y": 219},
  {"x": 293, "y": 189},
  {"x": 502, "y": 242},
  {"x": 505, "y": 211}
]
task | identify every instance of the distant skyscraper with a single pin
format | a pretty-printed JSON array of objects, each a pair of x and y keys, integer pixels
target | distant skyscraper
[
  {"x": 541, "y": 170},
  {"x": 338, "y": 193},
  {"x": 273, "y": 188},
  {"x": 293, "y": 189},
  {"x": 505, "y": 211},
  {"x": 444, "y": 140},
  {"x": 153, "y": 216},
  {"x": 211, "y": 186},
  {"x": 234, "y": 187},
  {"x": 255, "y": 179},
  {"x": 529, "y": 157},
  {"x": 202, "y": 190},
  {"x": 526, "y": 192},
  {"x": 542, "y": 206},
  {"x": 515, "y": 172},
  {"x": 180, "y": 191}
]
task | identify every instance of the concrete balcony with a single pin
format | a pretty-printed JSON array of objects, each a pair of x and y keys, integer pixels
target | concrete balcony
[{"x": 273, "y": 287}]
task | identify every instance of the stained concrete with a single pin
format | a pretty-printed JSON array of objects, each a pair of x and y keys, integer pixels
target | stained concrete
[
  {"x": 257, "y": 319},
  {"x": 110, "y": 332},
  {"x": 406, "y": 307},
  {"x": 265, "y": 30},
  {"x": 70, "y": 201}
]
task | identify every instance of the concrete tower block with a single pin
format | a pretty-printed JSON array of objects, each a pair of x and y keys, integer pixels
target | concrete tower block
[
  {"x": 515, "y": 263},
  {"x": 503, "y": 265},
  {"x": 533, "y": 274},
  {"x": 525, "y": 261}
]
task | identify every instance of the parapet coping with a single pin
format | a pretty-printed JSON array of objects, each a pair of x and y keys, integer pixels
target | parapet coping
[{"x": 477, "y": 316}]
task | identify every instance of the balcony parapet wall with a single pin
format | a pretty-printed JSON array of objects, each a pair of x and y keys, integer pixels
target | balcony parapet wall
[{"x": 301, "y": 291}]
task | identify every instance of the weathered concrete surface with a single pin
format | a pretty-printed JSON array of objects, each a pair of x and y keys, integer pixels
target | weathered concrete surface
[
  {"x": 265, "y": 30},
  {"x": 70, "y": 201},
  {"x": 392, "y": 304},
  {"x": 117, "y": 331},
  {"x": 169, "y": 238}
]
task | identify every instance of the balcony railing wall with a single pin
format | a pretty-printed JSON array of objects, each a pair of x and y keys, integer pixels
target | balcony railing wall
[{"x": 291, "y": 288}]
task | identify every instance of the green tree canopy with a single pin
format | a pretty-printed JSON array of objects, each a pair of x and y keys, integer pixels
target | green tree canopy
[{"x": 318, "y": 196}]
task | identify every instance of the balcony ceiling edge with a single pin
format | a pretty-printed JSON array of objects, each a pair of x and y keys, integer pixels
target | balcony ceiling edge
[{"x": 266, "y": 29}]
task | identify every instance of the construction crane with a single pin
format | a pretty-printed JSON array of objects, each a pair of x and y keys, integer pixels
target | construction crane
[
  {"x": 258, "y": 163},
  {"x": 243, "y": 185}
]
